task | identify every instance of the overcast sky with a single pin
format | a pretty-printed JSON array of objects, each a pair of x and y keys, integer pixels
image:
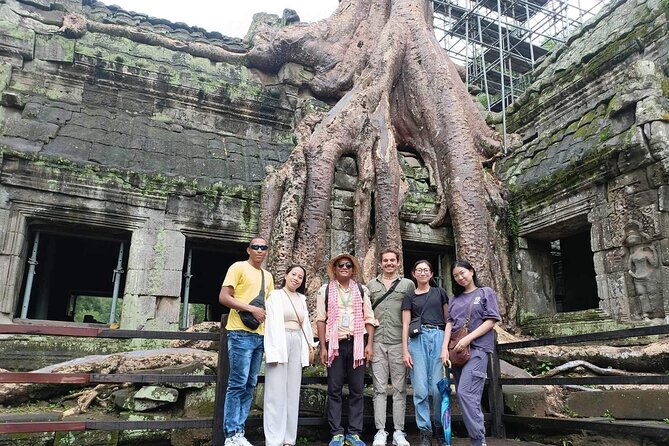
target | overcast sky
[{"x": 229, "y": 17}]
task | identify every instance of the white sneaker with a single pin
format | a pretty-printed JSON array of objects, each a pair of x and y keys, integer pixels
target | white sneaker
[
  {"x": 380, "y": 438},
  {"x": 400, "y": 439},
  {"x": 231, "y": 441},
  {"x": 240, "y": 440}
]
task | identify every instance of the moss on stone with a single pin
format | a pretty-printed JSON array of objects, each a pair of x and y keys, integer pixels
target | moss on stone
[
  {"x": 224, "y": 81},
  {"x": 577, "y": 172},
  {"x": 604, "y": 134},
  {"x": 576, "y": 76},
  {"x": 513, "y": 219},
  {"x": 147, "y": 184}
]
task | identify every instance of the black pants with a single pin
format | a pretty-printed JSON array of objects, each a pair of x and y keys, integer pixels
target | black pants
[{"x": 340, "y": 372}]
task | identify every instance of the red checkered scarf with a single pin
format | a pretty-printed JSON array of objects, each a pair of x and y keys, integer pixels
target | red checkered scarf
[{"x": 332, "y": 327}]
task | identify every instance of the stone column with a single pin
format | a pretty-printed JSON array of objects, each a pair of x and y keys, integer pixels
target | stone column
[
  {"x": 13, "y": 240},
  {"x": 153, "y": 285}
]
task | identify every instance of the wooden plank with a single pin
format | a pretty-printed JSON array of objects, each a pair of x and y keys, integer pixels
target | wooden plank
[
  {"x": 194, "y": 423},
  {"x": 150, "y": 378},
  {"x": 85, "y": 332},
  {"x": 590, "y": 337},
  {"x": 45, "y": 378},
  {"x": 180, "y": 335},
  {"x": 50, "y": 426},
  {"x": 90, "y": 332},
  {"x": 588, "y": 380},
  {"x": 321, "y": 379},
  {"x": 495, "y": 395}
]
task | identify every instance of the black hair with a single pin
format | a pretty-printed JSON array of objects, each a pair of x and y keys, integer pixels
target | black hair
[
  {"x": 303, "y": 286},
  {"x": 388, "y": 251},
  {"x": 458, "y": 289},
  {"x": 258, "y": 237},
  {"x": 413, "y": 268}
]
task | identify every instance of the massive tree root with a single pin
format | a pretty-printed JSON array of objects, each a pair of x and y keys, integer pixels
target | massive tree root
[{"x": 395, "y": 87}]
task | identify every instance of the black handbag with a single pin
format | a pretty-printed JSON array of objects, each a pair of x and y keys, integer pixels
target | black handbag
[
  {"x": 414, "y": 325},
  {"x": 258, "y": 301}
]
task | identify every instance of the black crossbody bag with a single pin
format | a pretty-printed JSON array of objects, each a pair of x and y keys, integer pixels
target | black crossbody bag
[
  {"x": 414, "y": 325},
  {"x": 258, "y": 301}
]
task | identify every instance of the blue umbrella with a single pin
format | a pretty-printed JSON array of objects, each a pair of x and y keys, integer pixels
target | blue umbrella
[{"x": 444, "y": 386}]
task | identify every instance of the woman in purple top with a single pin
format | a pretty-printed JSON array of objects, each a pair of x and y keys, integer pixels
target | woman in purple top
[{"x": 470, "y": 296}]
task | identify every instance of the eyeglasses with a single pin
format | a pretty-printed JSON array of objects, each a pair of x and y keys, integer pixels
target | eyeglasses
[
  {"x": 345, "y": 265},
  {"x": 259, "y": 247},
  {"x": 422, "y": 271}
]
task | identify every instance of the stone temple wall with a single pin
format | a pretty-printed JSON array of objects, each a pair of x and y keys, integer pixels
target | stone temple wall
[
  {"x": 121, "y": 136},
  {"x": 595, "y": 158},
  {"x": 152, "y": 145},
  {"x": 162, "y": 148}
]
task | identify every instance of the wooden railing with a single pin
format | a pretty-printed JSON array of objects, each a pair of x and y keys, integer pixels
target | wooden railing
[
  {"x": 574, "y": 424},
  {"x": 496, "y": 418},
  {"x": 100, "y": 378}
]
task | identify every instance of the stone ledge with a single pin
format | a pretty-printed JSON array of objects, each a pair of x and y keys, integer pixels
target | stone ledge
[{"x": 630, "y": 404}]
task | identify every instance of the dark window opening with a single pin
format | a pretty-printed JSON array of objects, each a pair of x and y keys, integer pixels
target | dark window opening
[
  {"x": 75, "y": 276},
  {"x": 574, "y": 273},
  {"x": 415, "y": 252},
  {"x": 208, "y": 264}
]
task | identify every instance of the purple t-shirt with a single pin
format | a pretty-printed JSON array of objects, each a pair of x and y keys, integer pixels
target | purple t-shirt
[{"x": 484, "y": 307}]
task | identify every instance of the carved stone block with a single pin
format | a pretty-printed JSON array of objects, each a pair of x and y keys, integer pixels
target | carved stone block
[
  {"x": 615, "y": 260},
  {"x": 658, "y": 174},
  {"x": 341, "y": 241},
  {"x": 596, "y": 241},
  {"x": 632, "y": 182},
  {"x": 54, "y": 48},
  {"x": 618, "y": 290},
  {"x": 663, "y": 198},
  {"x": 665, "y": 293},
  {"x": 603, "y": 293},
  {"x": 664, "y": 251}
]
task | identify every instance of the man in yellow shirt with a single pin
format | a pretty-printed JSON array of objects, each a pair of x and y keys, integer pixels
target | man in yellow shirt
[{"x": 244, "y": 282}]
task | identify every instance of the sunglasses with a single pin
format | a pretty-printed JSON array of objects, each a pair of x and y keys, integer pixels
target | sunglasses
[
  {"x": 259, "y": 247},
  {"x": 345, "y": 265}
]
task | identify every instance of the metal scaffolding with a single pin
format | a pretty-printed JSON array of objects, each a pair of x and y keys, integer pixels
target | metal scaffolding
[{"x": 500, "y": 41}]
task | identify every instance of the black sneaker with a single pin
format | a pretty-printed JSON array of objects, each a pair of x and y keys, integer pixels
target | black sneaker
[
  {"x": 425, "y": 438},
  {"x": 441, "y": 440}
]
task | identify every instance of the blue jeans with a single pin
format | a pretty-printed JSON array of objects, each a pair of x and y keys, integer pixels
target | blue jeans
[
  {"x": 245, "y": 357},
  {"x": 425, "y": 351}
]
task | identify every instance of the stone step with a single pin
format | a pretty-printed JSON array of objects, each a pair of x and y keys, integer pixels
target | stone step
[{"x": 571, "y": 323}]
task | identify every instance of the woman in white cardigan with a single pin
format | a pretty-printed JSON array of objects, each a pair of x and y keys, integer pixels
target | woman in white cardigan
[{"x": 288, "y": 335}]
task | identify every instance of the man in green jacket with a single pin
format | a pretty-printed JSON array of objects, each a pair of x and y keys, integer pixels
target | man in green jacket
[{"x": 387, "y": 292}]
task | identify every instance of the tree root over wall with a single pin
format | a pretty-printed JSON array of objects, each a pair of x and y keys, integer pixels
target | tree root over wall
[{"x": 394, "y": 87}]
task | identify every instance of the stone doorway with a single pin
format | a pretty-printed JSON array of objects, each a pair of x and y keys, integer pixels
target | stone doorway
[
  {"x": 205, "y": 265},
  {"x": 74, "y": 276},
  {"x": 441, "y": 262},
  {"x": 574, "y": 273}
]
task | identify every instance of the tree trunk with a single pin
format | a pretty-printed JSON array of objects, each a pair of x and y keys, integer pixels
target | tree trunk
[{"x": 395, "y": 86}]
